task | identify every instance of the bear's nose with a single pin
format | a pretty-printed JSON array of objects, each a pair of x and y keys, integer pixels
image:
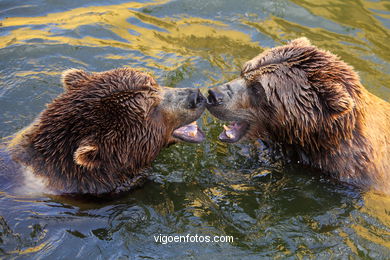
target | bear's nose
[
  {"x": 215, "y": 97},
  {"x": 196, "y": 99}
]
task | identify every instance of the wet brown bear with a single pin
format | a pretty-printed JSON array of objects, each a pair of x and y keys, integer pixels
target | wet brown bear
[
  {"x": 106, "y": 127},
  {"x": 312, "y": 103}
]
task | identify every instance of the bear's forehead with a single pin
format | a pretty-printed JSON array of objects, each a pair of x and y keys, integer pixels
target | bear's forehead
[
  {"x": 125, "y": 79},
  {"x": 273, "y": 58}
]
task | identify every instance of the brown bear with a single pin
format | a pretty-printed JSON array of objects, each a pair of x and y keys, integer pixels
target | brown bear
[
  {"x": 312, "y": 104},
  {"x": 99, "y": 135}
]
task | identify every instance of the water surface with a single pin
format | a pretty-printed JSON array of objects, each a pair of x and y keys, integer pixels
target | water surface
[{"x": 206, "y": 189}]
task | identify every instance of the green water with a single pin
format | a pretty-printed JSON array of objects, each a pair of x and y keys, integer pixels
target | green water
[{"x": 206, "y": 189}]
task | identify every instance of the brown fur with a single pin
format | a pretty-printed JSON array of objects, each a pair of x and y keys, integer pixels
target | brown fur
[
  {"x": 314, "y": 104},
  {"x": 101, "y": 133}
]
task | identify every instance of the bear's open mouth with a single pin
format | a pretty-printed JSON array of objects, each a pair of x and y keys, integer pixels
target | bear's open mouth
[
  {"x": 189, "y": 133},
  {"x": 233, "y": 132}
]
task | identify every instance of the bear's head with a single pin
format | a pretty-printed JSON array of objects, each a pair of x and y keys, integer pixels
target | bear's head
[
  {"x": 293, "y": 94},
  {"x": 106, "y": 127}
]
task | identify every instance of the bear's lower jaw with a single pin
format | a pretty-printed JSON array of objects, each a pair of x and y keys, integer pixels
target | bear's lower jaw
[
  {"x": 234, "y": 132},
  {"x": 189, "y": 133}
]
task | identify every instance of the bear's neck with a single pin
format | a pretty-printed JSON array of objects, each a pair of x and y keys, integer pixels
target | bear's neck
[
  {"x": 62, "y": 175},
  {"x": 350, "y": 161},
  {"x": 350, "y": 158}
]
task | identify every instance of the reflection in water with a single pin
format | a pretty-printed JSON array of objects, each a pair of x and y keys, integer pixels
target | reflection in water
[
  {"x": 134, "y": 30},
  {"x": 207, "y": 189},
  {"x": 361, "y": 17},
  {"x": 375, "y": 216}
]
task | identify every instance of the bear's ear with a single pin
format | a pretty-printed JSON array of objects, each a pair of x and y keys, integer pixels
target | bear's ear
[
  {"x": 302, "y": 41},
  {"x": 338, "y": 100},
  {"x": 86, "y": 156},
  {"x": 72, "y": 77}
]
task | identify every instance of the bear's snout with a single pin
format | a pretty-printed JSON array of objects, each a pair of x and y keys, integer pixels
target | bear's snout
[
  {"x": 215, "y": 97},
  {"x": 196, "y": 99}
]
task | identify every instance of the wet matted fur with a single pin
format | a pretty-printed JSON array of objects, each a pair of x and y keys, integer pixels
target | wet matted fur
[
  {"x": 314, "y": 105},
  {"x": 99, "y": 135}
]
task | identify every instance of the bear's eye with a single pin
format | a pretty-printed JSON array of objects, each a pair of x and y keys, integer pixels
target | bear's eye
[
  {"x": 257, "y": 93},
  {"x": 257, "y": 89},
  {"x": 229, "y": 90}
]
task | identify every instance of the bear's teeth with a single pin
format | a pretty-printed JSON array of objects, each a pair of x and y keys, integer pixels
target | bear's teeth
[
  {"x": 228, "y": 131},
  {"x": 193, "y": 133},
  {"x": 226, "y": 128},
  {"x": 230, "y": 135}
]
